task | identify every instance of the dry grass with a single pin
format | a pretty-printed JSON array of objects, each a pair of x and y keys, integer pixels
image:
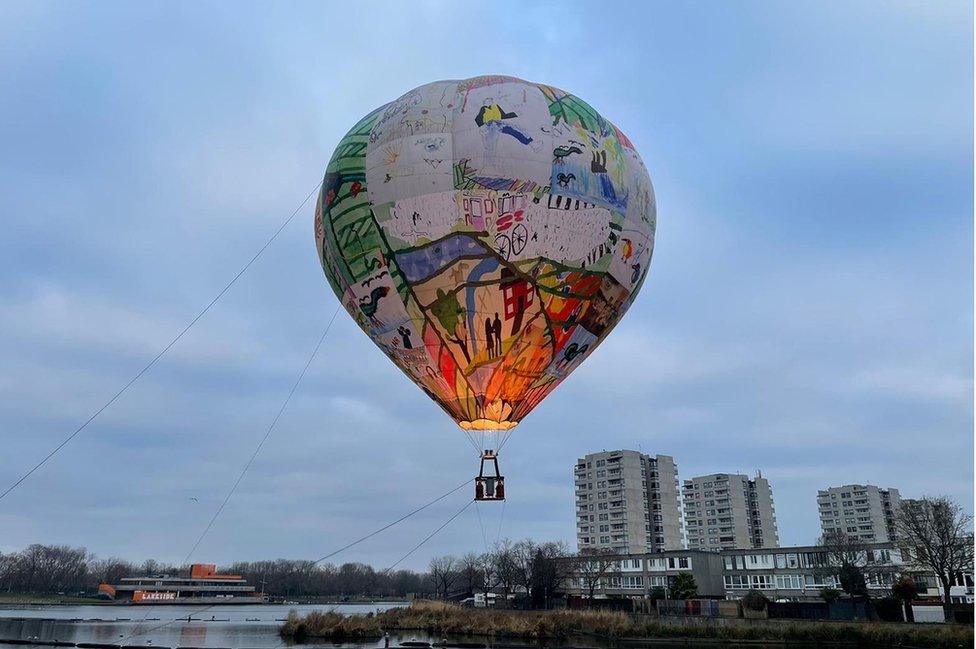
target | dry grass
[
  {"x": 440, "y": 618},
  {"x": 330, "y": 625}
]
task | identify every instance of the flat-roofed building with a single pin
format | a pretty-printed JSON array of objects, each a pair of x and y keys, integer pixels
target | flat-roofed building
[
  {"x": 792, "y": 573},
  {"x": 636, "y": 575},
  {"x": 204, "y": 585},
  {"x": 627, "y": 502},
  {"x": 864, "y": 512},
  {"x": 724, "y": 511}
]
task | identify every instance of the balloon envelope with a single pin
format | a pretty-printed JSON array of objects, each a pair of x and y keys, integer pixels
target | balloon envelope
[{"x": 486, "y": 234}]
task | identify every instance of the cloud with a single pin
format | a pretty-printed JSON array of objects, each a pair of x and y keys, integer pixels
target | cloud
[
  {"x": 918, "y": 383},
  {"x": 808, "y": 311}
]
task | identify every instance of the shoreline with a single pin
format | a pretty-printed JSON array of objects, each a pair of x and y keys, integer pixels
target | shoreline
[{"x": 40, "y": 600}]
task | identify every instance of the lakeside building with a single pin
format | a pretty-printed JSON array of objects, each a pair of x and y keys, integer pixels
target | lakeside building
[
  {"x": 627, "y": 501},
  {"x": 782, "y": 574},
  {"x": 865, "y": 512},
  {"x": 723, "y": 511},
  {"x": 203, "y": 586}
]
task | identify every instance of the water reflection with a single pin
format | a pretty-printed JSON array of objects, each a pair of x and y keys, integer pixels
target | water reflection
[
  {"x": 232, "y": 627},
  {"x": 225, "y": 627}
]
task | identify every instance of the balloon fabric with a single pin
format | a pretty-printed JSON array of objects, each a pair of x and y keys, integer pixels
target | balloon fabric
[{"x": 487, "y": 234}]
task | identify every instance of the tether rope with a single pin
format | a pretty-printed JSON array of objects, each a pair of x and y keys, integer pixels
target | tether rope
[
  {"x": 136, "y": 632},
  {"x": 271, "y": 427},
  {"x": 389, "y": 525},
  {"x": 430, "y": 536},
  {"x": 484, "y": 537},
  {"x": 501, "y": 519},
  {"x": 345, "y": 547},
  {"x": 257, "y": 450},
  {"x": 162, "y": 352}
]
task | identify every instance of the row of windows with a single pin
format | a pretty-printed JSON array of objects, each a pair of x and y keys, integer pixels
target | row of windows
[
  {"x": 626, "y": 582},
  {"x": 615, "y": 504},
  {"x": 710, "y": 521},
  {"x": 781, "y": 582},
  {"x": 792, "y": 560},
  {"x": 602, "y": 528}
]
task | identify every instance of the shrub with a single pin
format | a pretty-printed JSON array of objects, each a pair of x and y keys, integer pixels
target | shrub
[
  {"x": 904, "y": 589},
  {"x": 684, "y": 586},
  {"x": 852, "y": 581},
  {"x": 755, "y": 601},
  {"x": 829, "y": 594},
  {"x": 888, "y": 609}
]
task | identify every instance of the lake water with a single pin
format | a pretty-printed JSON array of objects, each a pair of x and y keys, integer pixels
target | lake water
[
  {"x": 219, "y": 627},
  {"x": 225, "y": 627}
]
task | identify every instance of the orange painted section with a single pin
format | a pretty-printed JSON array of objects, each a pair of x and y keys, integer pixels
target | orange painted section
[
  {"x": 208, "y": 571},
  {"x": 107, "y": 589}
]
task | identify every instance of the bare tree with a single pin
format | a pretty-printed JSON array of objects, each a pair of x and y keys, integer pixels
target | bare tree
[
  {"x": 468, "y": 570},
  {"x": 594, "y": 565},
  {"x": 55, "y": 569},
  {"x": 938, "y": 535},
  {"x": 443, "y": 572},
  {"x": 110, "y": 570},
  {"x": 46, "y": 569},
  {"x": 487, "y": 573},
  {"x": 506, "y": 567},
  {"x": 851, "y": 560},
  {"x": 523, "y": 554}
]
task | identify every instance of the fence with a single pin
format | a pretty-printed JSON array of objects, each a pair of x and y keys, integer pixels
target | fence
[
  {"x": 698, "y": 607},
  {"x": 839, "y": 610}
]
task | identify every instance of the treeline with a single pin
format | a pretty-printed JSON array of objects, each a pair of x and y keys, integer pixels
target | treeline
[
  {"x": 50, "y": 569},
  {"x": 522, "y": 566},
  {"x": 301, "y": 578},
  {"x": 55, "y": 569},
  {"x": 531, "y": 573}
]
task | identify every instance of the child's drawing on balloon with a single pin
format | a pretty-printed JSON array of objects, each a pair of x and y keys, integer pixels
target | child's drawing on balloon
[{"x": 487, "y": 234}]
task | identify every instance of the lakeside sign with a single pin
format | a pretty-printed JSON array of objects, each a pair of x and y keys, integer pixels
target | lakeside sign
[{"x": 144, "y": 595}]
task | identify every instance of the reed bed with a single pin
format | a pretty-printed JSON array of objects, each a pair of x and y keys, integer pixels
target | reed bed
[
  {"x": 443, "y": 619},
  {"x": 331, "y": 625}
]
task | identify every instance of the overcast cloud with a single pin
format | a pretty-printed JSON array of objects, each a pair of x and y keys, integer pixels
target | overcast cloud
[{"x": 809, "y": 310}]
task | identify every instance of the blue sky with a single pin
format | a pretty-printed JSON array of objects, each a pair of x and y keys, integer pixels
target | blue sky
[{"x": 809, "y": 310}]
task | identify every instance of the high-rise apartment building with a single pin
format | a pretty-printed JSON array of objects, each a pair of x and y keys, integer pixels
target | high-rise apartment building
[
  {"x": 628, "y": 502},
  {"x": 725, "y": 511},
  {"x": 865, "y": 512}
]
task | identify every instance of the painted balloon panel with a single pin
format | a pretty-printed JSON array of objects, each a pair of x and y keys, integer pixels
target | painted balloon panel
[{"x": 487, "y": 234}]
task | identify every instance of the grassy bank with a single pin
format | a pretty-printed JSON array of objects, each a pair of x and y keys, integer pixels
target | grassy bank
[{"x": 439, "y": 619}]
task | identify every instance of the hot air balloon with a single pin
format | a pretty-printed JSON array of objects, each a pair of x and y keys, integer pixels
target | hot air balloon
[{"x": 487, "y": 234}]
